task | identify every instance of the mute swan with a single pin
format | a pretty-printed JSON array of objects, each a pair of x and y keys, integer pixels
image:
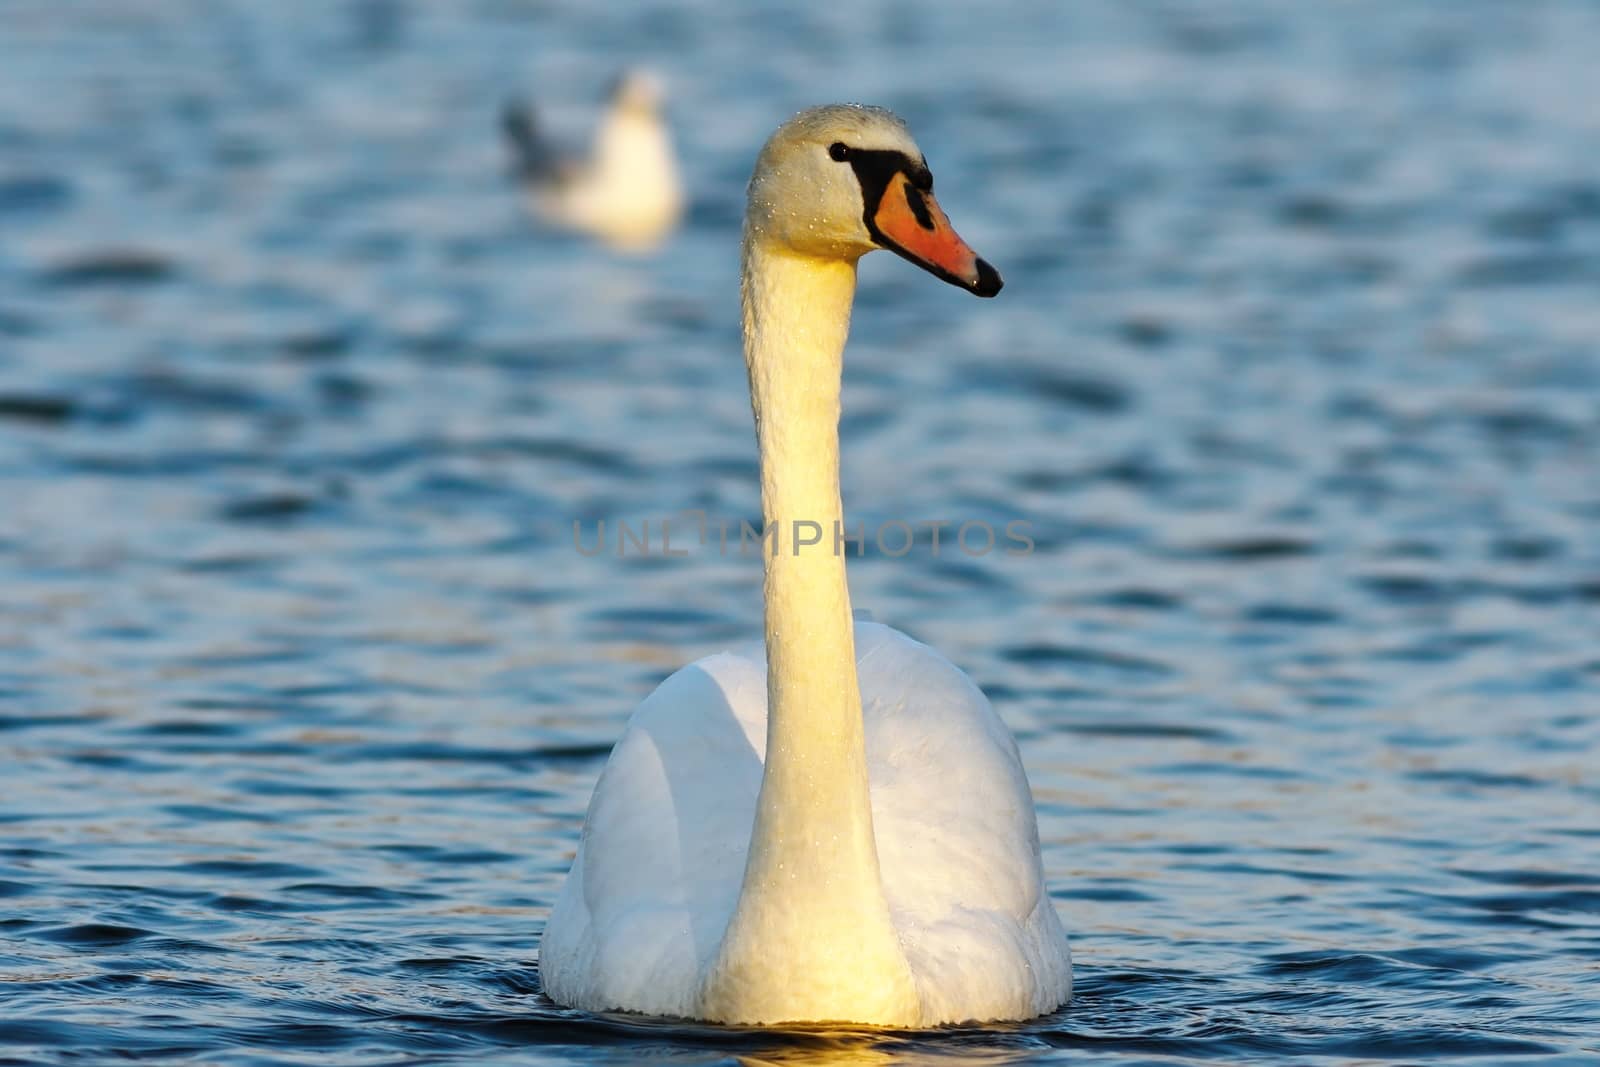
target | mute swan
[
  {"x": 847, "y": 836},
  {"x": 628, "y": 192}
]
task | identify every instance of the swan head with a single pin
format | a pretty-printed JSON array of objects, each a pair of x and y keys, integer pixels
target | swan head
[{"x": 837, "y": 182}]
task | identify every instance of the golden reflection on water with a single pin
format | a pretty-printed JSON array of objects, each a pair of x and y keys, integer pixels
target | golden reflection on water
[{"x": 872, "y": 1050}]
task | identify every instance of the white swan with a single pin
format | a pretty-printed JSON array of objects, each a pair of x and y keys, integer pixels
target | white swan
[
  {"x": 787, "y": 845},
  {"x": 628, "y": 192}
]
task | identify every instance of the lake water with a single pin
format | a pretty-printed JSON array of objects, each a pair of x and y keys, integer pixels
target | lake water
[{"x": 1295, "y": 381}]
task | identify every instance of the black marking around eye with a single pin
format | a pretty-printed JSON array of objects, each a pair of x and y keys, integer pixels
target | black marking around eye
[
  {"x": 919, "y": 206},
  {"x": 876, "y": 168}
]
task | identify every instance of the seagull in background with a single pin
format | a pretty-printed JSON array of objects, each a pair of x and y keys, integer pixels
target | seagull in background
[{"x": 627, "y": 192}]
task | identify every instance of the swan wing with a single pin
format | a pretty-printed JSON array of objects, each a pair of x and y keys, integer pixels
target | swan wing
[
  {"x": 662, "y": 855},
  {"x": 958, "y": 842}
]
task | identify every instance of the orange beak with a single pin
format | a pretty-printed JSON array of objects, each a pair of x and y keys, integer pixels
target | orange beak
[{"x": 910, "y": 223}]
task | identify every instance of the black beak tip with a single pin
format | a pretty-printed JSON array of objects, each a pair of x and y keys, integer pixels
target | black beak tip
[{"x": 988, "y": 282}]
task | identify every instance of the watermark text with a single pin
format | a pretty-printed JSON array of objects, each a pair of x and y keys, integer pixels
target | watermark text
[{"x": 680, "y": 535}]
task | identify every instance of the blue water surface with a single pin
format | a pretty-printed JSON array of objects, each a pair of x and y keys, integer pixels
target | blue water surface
[{"x": 1295, "y": 382}]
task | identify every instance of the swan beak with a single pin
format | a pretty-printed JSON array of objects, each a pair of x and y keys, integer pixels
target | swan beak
[{"x": 910, "y": 223}]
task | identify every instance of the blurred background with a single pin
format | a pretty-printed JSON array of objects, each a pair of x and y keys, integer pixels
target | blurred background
[{"x": 1296, "y": 379}]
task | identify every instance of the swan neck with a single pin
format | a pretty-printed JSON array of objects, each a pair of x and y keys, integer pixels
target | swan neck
[
  {"x": 810, "y": 936},
  {"x": 797, "y": 317}
]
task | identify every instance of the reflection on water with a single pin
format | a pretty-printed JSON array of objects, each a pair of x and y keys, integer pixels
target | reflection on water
[{"x": 304, "y": 687}]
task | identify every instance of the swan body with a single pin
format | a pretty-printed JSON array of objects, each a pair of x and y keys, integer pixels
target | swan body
[
  {"x": 832, "y": 825},
  {"x": 656, "y": 878},
  {"x": 628, "y": 191}
]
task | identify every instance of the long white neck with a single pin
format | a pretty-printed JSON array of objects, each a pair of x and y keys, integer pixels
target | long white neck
[{"x": 810, "y": 937}]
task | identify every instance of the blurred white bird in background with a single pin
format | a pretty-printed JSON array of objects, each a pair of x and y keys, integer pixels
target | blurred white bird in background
[{"x": 627, "y": 192}]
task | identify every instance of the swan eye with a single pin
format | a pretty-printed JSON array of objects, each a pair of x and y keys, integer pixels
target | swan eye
[{"x": 838, "y": 151}]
